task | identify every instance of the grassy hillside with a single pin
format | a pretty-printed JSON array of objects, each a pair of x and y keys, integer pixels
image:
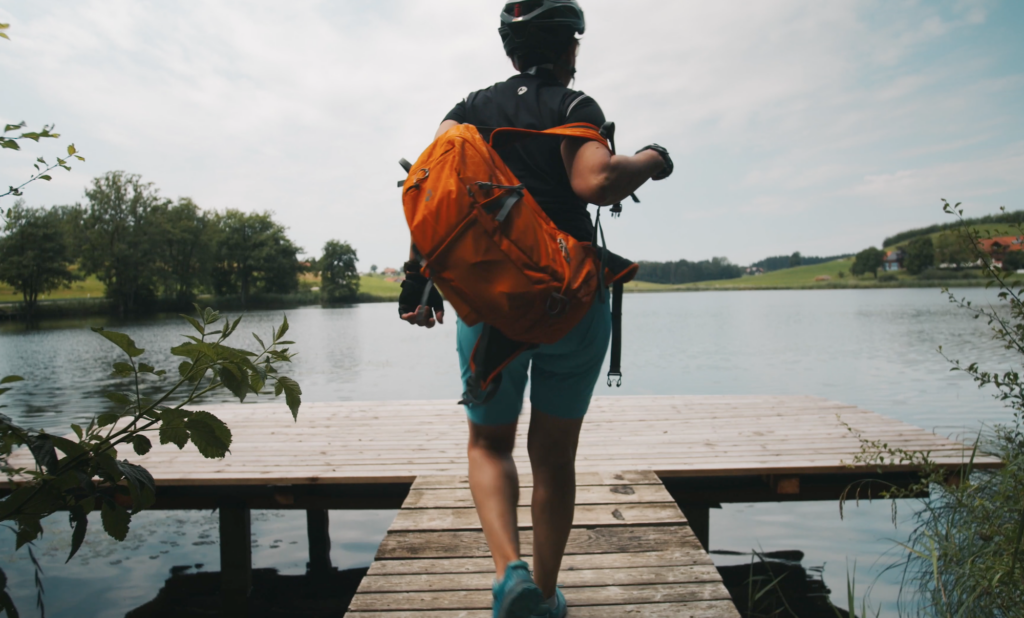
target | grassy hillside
[
  {"x": 798, "y": 277},
  {"x": 377, "y": 286},
  {"x": 984, "y": 231},
  {"x": 803, "y": 278}
]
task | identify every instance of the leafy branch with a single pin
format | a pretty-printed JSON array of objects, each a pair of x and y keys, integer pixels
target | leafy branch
[
  {"x": 82, "y": 473},
  {"x": 43, "y": 168}
]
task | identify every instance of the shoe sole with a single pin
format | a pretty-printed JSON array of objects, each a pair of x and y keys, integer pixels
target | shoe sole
[{"x": 521, "y": 601}]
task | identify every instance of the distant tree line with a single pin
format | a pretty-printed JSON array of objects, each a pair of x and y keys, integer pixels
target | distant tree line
[
  {"x": 780, "y": 262},
  {"x": 1015, "y": 217},
  {"x": 146, "y": 248},
  {"x": 685, "y": 271}
]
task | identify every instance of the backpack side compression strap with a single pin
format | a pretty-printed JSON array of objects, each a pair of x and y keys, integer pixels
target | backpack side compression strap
[{"x": 577, "y": 129}]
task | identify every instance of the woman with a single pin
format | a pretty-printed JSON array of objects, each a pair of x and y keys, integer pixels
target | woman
[{"x": 563, "y": 176}]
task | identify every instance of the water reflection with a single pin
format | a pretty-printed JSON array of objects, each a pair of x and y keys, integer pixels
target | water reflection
[{"x": 876, "y": 349}]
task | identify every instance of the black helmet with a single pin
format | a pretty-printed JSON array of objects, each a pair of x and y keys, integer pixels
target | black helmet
[
  {"x": 540, "y": 27},
  {"x": 544, "y": 12}
]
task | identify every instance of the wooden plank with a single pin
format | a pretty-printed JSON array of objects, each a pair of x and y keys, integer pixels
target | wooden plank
[
  {"x": 666, "y": 558},
  {"x": 586, "y": 515},
  {"x": 462, "y": 498},
  {"x": 567, "y": 579},
  {"x": 526, "y": 480},
  {"x": 696, "y": 609},
  {"x": 471, "y": 543},
  {"x": 481, "y": 599}
]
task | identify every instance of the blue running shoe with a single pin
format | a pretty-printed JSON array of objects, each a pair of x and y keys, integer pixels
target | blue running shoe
[
  {"x": 558, "y": 611},
  {"x": 516, "y": 596}
]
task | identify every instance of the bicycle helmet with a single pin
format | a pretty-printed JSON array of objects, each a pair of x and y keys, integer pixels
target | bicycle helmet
[{"x": 540, "y": 30}]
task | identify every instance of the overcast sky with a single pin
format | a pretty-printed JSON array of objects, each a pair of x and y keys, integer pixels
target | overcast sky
[{"x": 796, "y": 125}]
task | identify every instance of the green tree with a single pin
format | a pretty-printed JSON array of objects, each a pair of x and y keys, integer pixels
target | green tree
[
  {"x": 339, "y": 278},
  {"x": 72, "y": 228},
  {"x": 920, "y": 255},
  {"x": 184, "y": 249},
  {"x": 1013, "y": 260},
  {"x": 795, "y": 260},
  {"x": 254, "y": 255},
  {"x": 34, "y": 258},
  {"x": 867, "y": 261},
  {"x": 954, "y": 249},
  {"x": 121, "y": 232},
  {"x": 373, "y": 269}
]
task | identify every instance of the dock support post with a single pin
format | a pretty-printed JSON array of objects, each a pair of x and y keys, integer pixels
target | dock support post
[
  {"x": 318, "y": 529},
  {"x": 235, "y": 557},
  {"x": 699, "y": 518}
]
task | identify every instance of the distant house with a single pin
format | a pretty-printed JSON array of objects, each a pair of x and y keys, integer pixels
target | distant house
[
  {"x": 998, "y": 247},
  {"x": 893, "y": 260},
  {"x": 389, "y": 272},
  {"x": 754, "y": 271}
]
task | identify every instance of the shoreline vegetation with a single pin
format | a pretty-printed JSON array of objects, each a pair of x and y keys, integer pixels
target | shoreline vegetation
[{"x": 86, "y": 298}]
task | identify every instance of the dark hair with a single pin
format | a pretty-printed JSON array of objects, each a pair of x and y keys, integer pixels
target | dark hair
[{"x": 543, "y": 45}]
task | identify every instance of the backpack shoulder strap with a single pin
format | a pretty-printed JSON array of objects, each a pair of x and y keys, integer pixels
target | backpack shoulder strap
[{"x": 577, "y": 129}]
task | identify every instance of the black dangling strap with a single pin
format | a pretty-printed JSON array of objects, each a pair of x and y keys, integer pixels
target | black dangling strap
[
  {"x": 615, "y": 363},
  {"x": 603, "y": 250}
]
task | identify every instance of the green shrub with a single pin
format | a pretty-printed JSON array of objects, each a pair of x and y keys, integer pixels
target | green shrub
[
  {"x": 965, "y": 556},
  {"x": 947, "y": 274}
]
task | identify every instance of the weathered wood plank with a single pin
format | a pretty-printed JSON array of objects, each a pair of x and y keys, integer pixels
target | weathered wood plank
[
  {"x": 617, "y": 494},
  {"x": 586, "y": 515},
  {"x": 471, "y": 544},
  {"x": 668, "y": 558},
  {"x": 568, "y": 578},
  {"x": 696, "y": 609},
  {"x": 481, "y": 599},
  {"x": 526, "y": 480}
]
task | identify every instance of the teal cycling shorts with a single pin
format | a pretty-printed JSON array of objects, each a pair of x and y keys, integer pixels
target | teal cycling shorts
[{"x": 564, "y": 374}]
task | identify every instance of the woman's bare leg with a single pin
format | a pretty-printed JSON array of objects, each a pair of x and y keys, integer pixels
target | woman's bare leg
[
  {"x": 552, "y": 445},
  {"x": 495, "y": 485}
]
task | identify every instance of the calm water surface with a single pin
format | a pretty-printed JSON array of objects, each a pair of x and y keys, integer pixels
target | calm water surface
[{"x": 876, "y": 349}]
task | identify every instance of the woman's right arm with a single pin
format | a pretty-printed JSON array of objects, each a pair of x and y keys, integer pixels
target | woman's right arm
[{"x": 601, "y": 178}]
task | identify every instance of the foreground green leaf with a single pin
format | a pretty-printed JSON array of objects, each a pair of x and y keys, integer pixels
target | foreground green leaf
[
  {"x": 141, "y": 444},
  {"x": 121, "y": 340},
  {"x": 79, "y": 524},
  {"x": 141, "y": 485},
  {"x": 116, "y": 520},
  {"x": 210, "y": 435},
  {"x": 292, "y": 394}
]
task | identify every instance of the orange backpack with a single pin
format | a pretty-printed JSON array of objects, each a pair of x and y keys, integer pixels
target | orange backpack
[{"x": 488, "y": 245}]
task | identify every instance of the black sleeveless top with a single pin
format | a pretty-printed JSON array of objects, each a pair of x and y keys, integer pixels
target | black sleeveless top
[{"x": 537, "y": 101}]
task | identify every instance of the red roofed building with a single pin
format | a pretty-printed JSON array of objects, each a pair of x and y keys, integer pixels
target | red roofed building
[{"x": 998, "y": 247}]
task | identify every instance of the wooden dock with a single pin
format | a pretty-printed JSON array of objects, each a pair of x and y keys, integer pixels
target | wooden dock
[
  {"x": 631, "y": 553},
  {"x": 637, "y": 546},
  {"x": 388, "y": 442}
]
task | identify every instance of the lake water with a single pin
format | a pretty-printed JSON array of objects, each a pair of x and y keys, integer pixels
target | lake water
[{"x": 876, "y": 349}]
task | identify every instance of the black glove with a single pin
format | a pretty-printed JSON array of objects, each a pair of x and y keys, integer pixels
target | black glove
[
  {"x": 665, "y": 173},
  {"x": 413, "y": 287}
]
